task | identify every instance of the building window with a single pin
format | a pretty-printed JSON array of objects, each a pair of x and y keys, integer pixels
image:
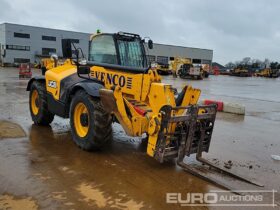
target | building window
[
  {"x": 77, "y": 41},
  {"x": 21, "y": 60},
  {"x": 198, "y": 61},
  {"x": 21, "y": 35},
  {"x": 49, "y": 38},
  {"x": 162, "y": 60},
  {"x": 151, "y": 58},
  {"x": 48, "y": 51},
  {"x": 171, "y": 58},
  {"x": 205, "y": 61},
  {"x": 17, "y": 47}
]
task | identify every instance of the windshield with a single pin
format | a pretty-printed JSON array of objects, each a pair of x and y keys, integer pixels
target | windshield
[
  {"x": 102, "y": 50},
  {"x": 129, "y": 51}
]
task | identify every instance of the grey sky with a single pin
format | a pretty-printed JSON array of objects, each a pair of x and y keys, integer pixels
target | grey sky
[{"x": 233, "y": 29}]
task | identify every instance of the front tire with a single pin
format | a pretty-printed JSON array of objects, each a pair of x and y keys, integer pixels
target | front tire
[
  {"x": 91, "y": 125},
  {"x": 38, "y": 105}
]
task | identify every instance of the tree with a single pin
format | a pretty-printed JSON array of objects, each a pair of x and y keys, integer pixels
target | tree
[
  {"x": 266, "y": 62},
  {"x": 230, "y": 65},
  {"x": 274, "y": 65},
  {"x": 246, "y": 61}
]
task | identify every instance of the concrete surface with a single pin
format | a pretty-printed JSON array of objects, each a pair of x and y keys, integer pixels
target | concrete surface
[{"x": 45, "y": 170}]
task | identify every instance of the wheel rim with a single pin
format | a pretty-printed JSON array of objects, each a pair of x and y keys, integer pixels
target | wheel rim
[
  {"x": 80, "y": 127},
  {"x": 34, "y": 102}
]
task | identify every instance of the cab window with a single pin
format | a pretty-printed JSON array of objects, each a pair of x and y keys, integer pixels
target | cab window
[
  {"x": 102, "y": 50},
  {"x": 131, "y": 53}
]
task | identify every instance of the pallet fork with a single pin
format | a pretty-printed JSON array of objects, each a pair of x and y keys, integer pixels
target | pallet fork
[{"x": 193, "y": 132}]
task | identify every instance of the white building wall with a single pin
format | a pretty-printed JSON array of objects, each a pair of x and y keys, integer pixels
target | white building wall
[
  {"x": 205, "y": 55},
  {"x": 2, "y": 42}
]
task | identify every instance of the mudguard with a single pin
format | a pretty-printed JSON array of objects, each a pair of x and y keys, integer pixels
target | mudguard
[
  {"x": 91, "y": 87},
  {"x": 61, "y": 107},
  {"x": 36, "y": 78}
]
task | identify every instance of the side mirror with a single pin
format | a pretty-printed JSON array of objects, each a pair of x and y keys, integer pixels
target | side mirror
[
  {"x": 83, "y": 70},
  {"x": 150, "y": 44},
  {"x": 66, "y": 48}
]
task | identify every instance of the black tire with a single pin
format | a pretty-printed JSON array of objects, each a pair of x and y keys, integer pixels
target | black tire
[
  {"x": 99, "y": 122},
  {"x": 44, "y": 116}
]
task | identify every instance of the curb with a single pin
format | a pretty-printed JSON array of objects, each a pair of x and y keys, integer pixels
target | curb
[{"x": 227, "y": 107}]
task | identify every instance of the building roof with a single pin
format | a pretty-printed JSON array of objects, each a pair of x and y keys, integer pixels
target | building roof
[
  {"x": 219, "y": 65},
  {"x": 197, "y": 48},
  {"x": 38, "y": 27}
]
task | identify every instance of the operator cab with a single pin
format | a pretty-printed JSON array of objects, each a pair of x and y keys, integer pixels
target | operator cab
[{"x": 122, "y": 49}]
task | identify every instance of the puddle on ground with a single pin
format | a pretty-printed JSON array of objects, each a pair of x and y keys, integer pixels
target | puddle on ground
[
  {"x": 94, "y": 196},
  {"x": 10, "y": 202},
  {"x": 10, "y": 130},
  {"x": 273, "y": 115}
]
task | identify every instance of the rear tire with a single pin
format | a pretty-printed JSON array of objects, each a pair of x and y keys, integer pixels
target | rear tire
[
  {"x": 91, "y": 125},
  {"x": 38, "y": 105}
]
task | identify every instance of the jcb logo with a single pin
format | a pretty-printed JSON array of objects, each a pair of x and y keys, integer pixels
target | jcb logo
[{"x": 52, "y": 84}]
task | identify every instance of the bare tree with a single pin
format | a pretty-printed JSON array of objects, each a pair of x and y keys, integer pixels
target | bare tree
[
  {"x": 246, "y": 61},
  {"x": 230, "y": 65},
  {"x": 266, "y": 62}
]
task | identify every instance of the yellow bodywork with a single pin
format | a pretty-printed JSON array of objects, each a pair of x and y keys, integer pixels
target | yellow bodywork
[
  {"x": 162, "y": 68},
  {"x": 125, "y": 93},
  {"x": 177, "y": 63},
  {"x": 240, "y": 70},
  {"x": 80, "y": 130},
  {"x": 34, "y": 105},
  {"x": 144, "y": 91},
  {"x": 264, "y": 73},
  {"x": 50, "y": 63},
  {"x": 55, "y": 75}
]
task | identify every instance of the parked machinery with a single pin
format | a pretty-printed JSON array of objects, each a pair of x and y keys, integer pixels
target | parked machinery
[
  {"x": 122, "y": 88},
  {"x": 51, "y": 62},
  {"x": 268, "y": 72},
  {"x": 240, "y": 71},
  {"x": 206, "y": 70},
  {"x": 185, "y": 69},
  {"x": 163, "y": 68}
]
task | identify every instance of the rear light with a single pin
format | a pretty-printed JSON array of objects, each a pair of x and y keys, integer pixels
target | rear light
[{"x": 140, "y": 111}]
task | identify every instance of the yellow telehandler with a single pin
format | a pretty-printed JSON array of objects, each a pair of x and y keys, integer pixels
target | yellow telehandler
[
  {"x": 184, "y": 68},
  {"x": 115, "y": 84}
]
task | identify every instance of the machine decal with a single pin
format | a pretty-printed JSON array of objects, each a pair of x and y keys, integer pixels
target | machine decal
[{"x": 113, "y": 79}]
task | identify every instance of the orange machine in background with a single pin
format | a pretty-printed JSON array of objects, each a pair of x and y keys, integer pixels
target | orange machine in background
[{"x": 216, "y": 70}]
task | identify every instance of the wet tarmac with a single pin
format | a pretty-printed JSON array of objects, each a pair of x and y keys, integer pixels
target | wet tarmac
[{"x": 45, "y": 170}]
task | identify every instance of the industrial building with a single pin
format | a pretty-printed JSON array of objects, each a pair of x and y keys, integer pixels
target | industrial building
[
  {"x": 22, "y": 43},
  {"x": 163, "y": 53}
]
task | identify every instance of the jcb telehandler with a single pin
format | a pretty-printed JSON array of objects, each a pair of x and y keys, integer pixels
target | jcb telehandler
[{"x": 117, "y": 85}]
